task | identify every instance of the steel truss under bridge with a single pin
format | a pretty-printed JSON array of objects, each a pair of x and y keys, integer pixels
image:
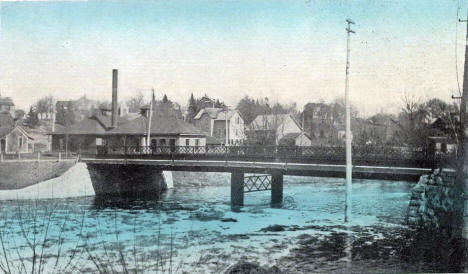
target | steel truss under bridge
[{"x": 255, "y": 183}]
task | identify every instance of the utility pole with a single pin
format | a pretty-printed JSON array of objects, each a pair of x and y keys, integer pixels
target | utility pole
[
  {"x": 349, "y": 168},
  {"x": 462, "y": 159},
  {"x": 461, "y": 135},
  {"x": 226, "y": 108},
  {"x": 150, "y": 115}
]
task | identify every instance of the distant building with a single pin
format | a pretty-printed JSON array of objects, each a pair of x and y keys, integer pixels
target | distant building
[
  {"x": 296, "y": 139},
  {"x": 368, "y": 131},
  {"x": 270, "y": 129},
  {"x": 165, "y": 131},
  {"x": 322, "y": 121},
  {"x": 84, "y": 136},
  {"x": 213, "y": 122},
  {"x": 116, "y": 132},
  {"x": 13, "y": 137},
  {"x": 131, "y": 130}
]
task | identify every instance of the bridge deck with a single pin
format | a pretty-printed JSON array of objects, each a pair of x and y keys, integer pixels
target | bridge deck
[{"x": 299, "y": 169}]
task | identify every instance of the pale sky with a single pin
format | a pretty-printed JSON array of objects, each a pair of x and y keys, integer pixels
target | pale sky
[{"x": 286, "y": 50}]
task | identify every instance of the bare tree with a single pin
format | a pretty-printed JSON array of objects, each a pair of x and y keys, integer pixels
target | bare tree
[{"x": 135, "y": 103}]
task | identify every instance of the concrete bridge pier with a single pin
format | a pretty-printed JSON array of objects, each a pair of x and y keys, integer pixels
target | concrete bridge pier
[
  {"x": 126, "y": 181},
  {"x": 277, "y": 189},
  {"x": 237, "y": 188}
]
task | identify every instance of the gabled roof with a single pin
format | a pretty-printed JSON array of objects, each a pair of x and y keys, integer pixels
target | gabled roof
[
  {"x": 222, "y": 115},
  {"x": 6, "y": 130},
  {"x": 94, "y": 125},
  {"x": 272, "y": 121},
  {"x": 160, "y": 125},
  {"x": 294, "y": 135},
  {"x": 106, "y": 121},
  {"x": 212, "y": 112},
  {"x": 88, "y": 126},
  {"x": 216, "y": 113}
]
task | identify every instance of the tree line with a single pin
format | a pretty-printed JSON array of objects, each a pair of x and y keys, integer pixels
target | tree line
[{"x": 412, "y": 125}]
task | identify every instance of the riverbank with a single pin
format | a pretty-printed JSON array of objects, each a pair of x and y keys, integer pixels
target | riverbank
[{"x": 21, "y": 174}]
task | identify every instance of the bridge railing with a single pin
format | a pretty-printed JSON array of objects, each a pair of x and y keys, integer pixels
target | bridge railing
[{"x": 362, "y": 155}]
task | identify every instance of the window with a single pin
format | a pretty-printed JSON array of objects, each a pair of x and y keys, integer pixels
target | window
[
  {"x": 187, "y": 142},
  {"x": 197, "y": 142},
  {"x": 20, "y": 142},
  {"x": 99, "y": 141},
  {"x": 322, "y": 134},
  {"x": 162, "y": 142}
]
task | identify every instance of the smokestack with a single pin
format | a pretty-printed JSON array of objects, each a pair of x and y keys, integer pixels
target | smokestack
[{"x": 115, "y": 107}]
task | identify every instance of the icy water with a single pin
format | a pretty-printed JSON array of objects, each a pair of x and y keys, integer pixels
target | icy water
[{"x": 194, "y": 230}]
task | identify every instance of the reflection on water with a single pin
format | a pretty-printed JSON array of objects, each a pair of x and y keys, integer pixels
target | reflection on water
[{"x": 195, "y": 230}]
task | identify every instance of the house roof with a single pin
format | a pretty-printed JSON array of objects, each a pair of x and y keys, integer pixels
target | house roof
[
  {"x": 5, "y": 130},
  {"x": 271, "y": 121},
  {"x": 294, "y": 135},
  {"x": 160, "y": 125},
  {"x": 94, "y": 125},
  {"x": 216, "y": 113},
  {"x": 222, "y": 115},
  {"x": 88, "y": 126},
  {"x": 212, "y": 112}
]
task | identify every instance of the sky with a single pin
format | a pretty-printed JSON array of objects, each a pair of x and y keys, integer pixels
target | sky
[{"x": 288, "y": 51}]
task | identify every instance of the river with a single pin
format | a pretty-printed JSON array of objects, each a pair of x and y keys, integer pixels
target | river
[{"x": 194, "y": 230}]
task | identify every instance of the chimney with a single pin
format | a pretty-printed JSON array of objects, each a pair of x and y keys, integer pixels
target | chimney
[{"x": 115, "y": 107}]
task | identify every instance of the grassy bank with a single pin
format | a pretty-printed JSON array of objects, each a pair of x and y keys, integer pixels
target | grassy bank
[{"x": 15, "y": 175}]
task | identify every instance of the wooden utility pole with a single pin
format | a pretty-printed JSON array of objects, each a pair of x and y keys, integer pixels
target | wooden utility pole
[{"x": 349, "y": 168}]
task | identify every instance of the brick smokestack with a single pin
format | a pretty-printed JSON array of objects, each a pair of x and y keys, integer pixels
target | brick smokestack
[{"x": 115, "y": 108}]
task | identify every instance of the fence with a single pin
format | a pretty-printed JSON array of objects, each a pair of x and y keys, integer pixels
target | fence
[
  {"x": 37, "y": 156},
  {"x": 362, "y": 155}
]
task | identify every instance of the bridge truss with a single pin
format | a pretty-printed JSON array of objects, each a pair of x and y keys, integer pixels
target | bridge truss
[{"x": 255, "y": 183}]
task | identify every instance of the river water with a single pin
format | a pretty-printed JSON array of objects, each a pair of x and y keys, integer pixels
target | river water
[{"x": 194, "y": 230}]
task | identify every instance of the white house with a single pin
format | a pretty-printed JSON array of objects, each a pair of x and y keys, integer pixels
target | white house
[
  {"x": 213, "y": 122},
  {"x": 279, "y": 126}
]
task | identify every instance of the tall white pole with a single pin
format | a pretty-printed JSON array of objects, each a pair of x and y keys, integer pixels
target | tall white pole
[
  {"x": 54, "y": 113},
  {"x": 150, "y": 115},
  {"x": 227, "y": 129},
  {"x": 349, "y": 168}
]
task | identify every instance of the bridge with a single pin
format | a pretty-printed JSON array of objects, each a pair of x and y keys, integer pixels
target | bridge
[{"x": 137, "y": 169}]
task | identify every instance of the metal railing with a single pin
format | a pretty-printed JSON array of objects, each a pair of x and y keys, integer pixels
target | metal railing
[{"x": 362, "y": 155}]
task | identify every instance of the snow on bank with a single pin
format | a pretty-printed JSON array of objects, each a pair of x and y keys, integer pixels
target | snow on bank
[
  {"x": 75, "y": 182},
  {"x": 168, "y": 178}
]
